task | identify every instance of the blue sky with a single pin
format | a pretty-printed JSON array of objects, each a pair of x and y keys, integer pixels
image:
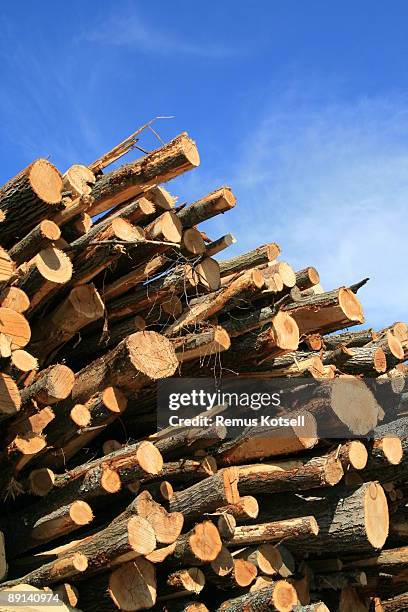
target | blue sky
[{"x": 302, "y": 107}]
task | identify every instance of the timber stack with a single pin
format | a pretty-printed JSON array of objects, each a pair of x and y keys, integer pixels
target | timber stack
[{"x": 108, "y": 286}]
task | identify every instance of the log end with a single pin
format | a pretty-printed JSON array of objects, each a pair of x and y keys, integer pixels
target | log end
[
  {"x": 284, "y": 596},
  {"x": 41, "y": 481},
  {"x": 46, "y": 181},
  {"x": 54, "y": 265},
  {"x": 205, "y": 541},
  {"x": 392, "y": 449},
  {"x": 351, "y": 305},
  {"x": 133, "y": 585},
  {"x": 152, "y": 354},
  {"x": 110, "y": 481},
  {"x": 80, "y": 513},
  {"x": 357, "y": 455},
  {"x": 149, "y": 458},
  {"x": 376, "y": 516},
  {"x": 141, "y": 536},
  {"x": 114, "y": 400}
]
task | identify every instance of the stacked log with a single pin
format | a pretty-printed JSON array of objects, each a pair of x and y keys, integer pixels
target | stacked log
[{"x": 109, "y": 287}]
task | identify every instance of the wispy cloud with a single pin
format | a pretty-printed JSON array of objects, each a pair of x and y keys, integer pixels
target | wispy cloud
[
  {"x": 130, "y": 29},
  {"x": 330, "y": 184}
]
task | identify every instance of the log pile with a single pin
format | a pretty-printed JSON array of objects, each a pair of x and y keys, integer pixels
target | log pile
[{"x": 108, "y": 285}]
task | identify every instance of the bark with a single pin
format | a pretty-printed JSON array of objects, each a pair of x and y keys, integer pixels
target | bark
[
  {"x": 28, "y": 198},
  {"x": 219, "y": 201},
  {"x": 40, "y": 237},
  {"x": 279, "y": 596},
  {"x": 42, "y": 277},
  {"x": 82, "y": 306},
  {"x": 24, "y": 536},
  {"x": 295, "y": 475},
  {"x": 327, "y": 312},
  {"x": 307, "y": 278},
  {"x": 135, "y": 362},
  {"x": 208, "y": 306},
  {"x": 350, "y": 339},
  {"x": 216, "y": 246},
  {"x": 131, "y": 180},
  {"x": 207, "y": 495},
  {"x": 349, "y": 519},
  {"x": 258, "y": 256},
  {"x": 293, "y": 529},
  {"x": 134, "y": 278},
  {"x": 51, "y": 385}
]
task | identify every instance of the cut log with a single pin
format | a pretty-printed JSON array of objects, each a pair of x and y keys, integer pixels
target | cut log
[
  {"x": 307, "y": 278},
  {"x": 133, "y": 179},
  {"x": 166, "y": 227},
  {"x": 295, "y": 529},
  {"x": 325, "y": 471},
  {"x": 40, "y": 237},
  {"x": 270, "y": 560},
  {"x": 134, "y": 363},
  {"x": 279, "y": 596},
  {"x": 23, "y": 361},
  {"x": 206, "y": 274},
  {"x": 261, "y": 255},
  {"x": 245, "y": 508},
  {"x": 195, "y": 346},
  {"x": 182, "y": 583},
  {"x": 10, "y": 400},
  {"x": 167, "y": 526},
  {"x": 353, "y": 519},
  {"x": 82, "y": 306},
  {"x": 208, "y": 306},
  {"x": 78, "y": 180},
  {"x": 254, "y": 445},
  {"x": 28, "y": 198},
  {"x": 216, "y": 246},
  {"x": 199, "y": 546},
  {"x": 15, "y": 326},
  {"x": 51, "y": 385},
  {"x": 133, "y": 585},
  {"x": 133, "y": 278},
  {"x": 43, "y": 275},
  {"x": 77, "y": 227},
  {"x": 219, "y": 201},
  {"x": 22, "y": 537},
  {"x": 192, "y": 242},
  {"x": 15, "y": 299},
  {"x": 61, "y": 569},
  {"x": 207, "y": 495},
  {"x": 281, "y": 336},
  {"x": 327, "y": 312}
]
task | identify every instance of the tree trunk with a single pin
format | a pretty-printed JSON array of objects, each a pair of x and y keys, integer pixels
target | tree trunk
[
  {"x": 28, "y": 198},
  {"x": 219, "y": 201},
  {"x": 131, "y": 180},
  {"x": 82, "y": 306}
]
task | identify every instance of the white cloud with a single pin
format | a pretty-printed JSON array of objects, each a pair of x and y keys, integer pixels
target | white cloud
[
  {"x": 330, "y": 185},
  {"x": 129, "y": 29}
]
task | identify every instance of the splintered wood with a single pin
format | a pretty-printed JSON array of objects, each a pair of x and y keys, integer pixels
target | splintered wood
[{"x": 108, "y": 285}]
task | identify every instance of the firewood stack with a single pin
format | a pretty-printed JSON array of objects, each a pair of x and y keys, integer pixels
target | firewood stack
[{"x": 108, "y": 285}]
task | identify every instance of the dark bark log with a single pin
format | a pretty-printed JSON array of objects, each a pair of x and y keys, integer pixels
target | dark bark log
[
  {"x": 131, "y": 180},
  {"x": 28, "y": 198}
]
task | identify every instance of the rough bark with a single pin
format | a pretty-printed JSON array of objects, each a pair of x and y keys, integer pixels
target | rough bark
[
  {"x": 131, "y": 180},
  {"x": 28, "y": 198}
]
